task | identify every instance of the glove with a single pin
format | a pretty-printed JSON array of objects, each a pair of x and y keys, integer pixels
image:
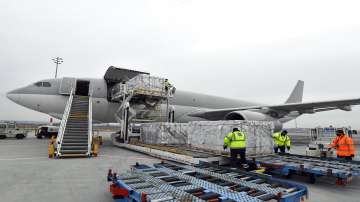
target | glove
[
  {"x": 288, "y": 148},
  {"x": 225, "y": 147}
]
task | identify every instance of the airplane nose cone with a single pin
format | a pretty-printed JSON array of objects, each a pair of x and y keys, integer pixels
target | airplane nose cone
[{"x": 13, "y": 96}]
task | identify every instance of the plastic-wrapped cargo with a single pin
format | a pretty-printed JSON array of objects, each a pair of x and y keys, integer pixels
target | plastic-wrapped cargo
[
  {"x": 165, "y": 133},
  {"x": 210, "y": 135},
  {"x": 141, "y": 84},
  {"x": 146, "y": 82}
]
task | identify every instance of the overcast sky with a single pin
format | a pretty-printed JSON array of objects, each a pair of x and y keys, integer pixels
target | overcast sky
[{"x": 251, "y": 50}]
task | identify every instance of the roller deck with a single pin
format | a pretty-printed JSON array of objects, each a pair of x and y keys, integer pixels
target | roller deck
[
  {"x": 289, "y": 164},
  {"x": 179, "y": 182}
]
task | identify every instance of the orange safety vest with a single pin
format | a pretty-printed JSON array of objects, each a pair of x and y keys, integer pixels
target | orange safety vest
[{"x": 344, "y": 146}]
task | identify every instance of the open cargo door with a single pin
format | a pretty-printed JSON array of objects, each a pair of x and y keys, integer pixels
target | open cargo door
[{"x": 67, "y": 84}]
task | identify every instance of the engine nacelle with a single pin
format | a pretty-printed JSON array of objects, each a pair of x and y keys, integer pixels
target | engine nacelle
[{"x": 253, "y": 116}]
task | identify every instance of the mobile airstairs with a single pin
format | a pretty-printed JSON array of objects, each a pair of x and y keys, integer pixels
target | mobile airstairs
[{"x": 75, "y": 136}]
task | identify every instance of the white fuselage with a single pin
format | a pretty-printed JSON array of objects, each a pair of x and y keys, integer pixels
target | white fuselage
[{"x": 49, "y": 100}]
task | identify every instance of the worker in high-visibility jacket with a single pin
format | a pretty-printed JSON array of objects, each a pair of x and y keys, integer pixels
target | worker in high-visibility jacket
[
  {"x": 167, "y": 85},
  {"x": 344, "y": 146},
  {"x": 282, "y": 141},
  {"x": 236, "y": 141}
]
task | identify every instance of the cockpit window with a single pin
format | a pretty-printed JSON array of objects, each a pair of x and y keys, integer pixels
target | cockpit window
[
  {"x": 38, "y": 84},
  {"x": 46, "y": 84},
  {"x": 43, "y": 84}
]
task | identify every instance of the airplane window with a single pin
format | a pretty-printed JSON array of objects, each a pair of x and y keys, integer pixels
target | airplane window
[
  {"x": 38, "y": 84},
  {"x": 46, "y": 84}
]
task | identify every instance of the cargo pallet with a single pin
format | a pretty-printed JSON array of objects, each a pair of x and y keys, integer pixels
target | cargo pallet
[
  {"x": 178, "y": 182},
  {"x": 290, "y": 164}
]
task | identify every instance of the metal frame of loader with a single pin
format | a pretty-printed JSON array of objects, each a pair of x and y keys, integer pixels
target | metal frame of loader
[
  {"x": 290, "y": 164},
  {"x": 343, "y": 172},
  {"x": 178, "y": 182}
]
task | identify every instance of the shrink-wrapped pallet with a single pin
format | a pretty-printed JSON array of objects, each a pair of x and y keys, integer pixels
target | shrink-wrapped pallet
[
  {"x": 164, "y": 133},
  {"x": 210, "y": 135}
]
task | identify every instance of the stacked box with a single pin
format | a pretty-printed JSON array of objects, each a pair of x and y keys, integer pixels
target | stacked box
[{"x": 210, "y": 134}]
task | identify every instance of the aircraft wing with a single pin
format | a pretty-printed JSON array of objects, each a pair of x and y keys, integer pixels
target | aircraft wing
[{"x": 279, "y": 111}]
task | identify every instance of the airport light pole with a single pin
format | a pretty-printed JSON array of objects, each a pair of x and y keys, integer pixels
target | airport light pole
[{"x": 57, "y": 61}]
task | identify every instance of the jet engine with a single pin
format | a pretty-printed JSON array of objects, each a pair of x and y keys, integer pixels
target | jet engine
[{"x": 253, "y": 116}]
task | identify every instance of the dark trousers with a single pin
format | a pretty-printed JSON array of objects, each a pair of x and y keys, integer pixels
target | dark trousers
[
  {"x": 282, "y": 149},
  {"x": 234, "y": 156},
  {"x": 347, "y": 158}
]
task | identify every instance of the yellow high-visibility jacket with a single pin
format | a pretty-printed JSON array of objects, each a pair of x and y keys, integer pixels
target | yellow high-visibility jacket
[
  {"x": 280, "y": 140},
  {"x": 168, "y": 84},
  {"x": 235, "y": 140}
]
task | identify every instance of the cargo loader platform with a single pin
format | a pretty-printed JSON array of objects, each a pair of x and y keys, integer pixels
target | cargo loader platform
[
  {"x": 178, "y": 182},
  {"x": 285, "y": 165}
]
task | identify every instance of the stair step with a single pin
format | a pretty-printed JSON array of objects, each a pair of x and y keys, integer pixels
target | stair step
[
  {"x": 84, "y": 134},
  {"x": 80, "y": 107},
  {"x": 80, "y": 130},
  {"x": 79, "y": 142},
  {"x": 79, "y": 111},
  {"x": 77, "y": 129},
  {"x": 73, "y": 148},
  {"x": 74, "y": 155},
  {"x": 74, "y": 144},
  {"x": 71, "y": 141},
  {"x": 77, "y": 125},
  {"x": 75, "y": 137},
  {"x": 77, "y": 122},
  {"x": 73, "y": 151}
]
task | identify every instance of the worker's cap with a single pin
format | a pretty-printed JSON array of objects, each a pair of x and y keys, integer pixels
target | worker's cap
[
  {"x": 339, "y": 131},
  {"x": 284, "y": 132},
  {"x": 235, "y": 129}
]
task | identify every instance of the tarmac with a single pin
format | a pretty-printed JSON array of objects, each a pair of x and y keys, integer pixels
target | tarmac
[{"x": 27, "y": 174}]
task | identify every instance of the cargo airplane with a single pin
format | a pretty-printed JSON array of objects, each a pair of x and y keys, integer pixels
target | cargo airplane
[{"x": 50, "y": 96}]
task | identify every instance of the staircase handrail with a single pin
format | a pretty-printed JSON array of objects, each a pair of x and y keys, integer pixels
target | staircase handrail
[
  {"x": 90, "y": 129},
  {"x": 64, "y": 120}
]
